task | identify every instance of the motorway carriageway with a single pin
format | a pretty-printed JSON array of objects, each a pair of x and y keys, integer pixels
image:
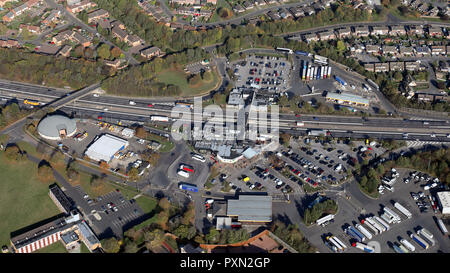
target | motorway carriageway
[{"x": 114, "y": 104}]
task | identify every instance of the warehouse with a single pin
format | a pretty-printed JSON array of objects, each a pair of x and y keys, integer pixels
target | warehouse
[
  {"x": 347, "y": 98},
  {"x": 56, "y": 127},
  {"x": 105, "y": 148},
  {"x": 251, "y": 208},
  {"x": 444, "y": 201}
]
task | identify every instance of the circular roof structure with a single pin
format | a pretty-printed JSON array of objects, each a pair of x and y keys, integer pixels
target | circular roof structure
[{"x": 55, "y": 127}]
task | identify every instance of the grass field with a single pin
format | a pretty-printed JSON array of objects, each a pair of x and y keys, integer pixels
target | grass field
[
  {"x": 57, "y": 247},
  {"x": 24, "y": 200},
  {"x": 147, "y": 204},
  {"x": 178, "y": 77}
]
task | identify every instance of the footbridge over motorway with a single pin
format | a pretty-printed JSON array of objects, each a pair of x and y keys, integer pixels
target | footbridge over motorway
[{"x": 70, "y": 97}]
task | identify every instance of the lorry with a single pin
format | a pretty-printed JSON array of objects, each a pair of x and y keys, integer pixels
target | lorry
[
  {"x": 403, "y": 210},
  {"x": 370, "y": 226},
  {"x": 188, "y": 187},
  {"x": 303, "y": 53},
  {"x": 426, "y": 235},
  {"x": 408, "y": 245},
  {"x": 186, "y": 168},
  {"x": 325, "y": 219},
  {"x": 419, "y": 241},
  {"x": 364, "y": 247},
  {"x": 392, "y": 213},
  {"x": 340, "y": 242},
  {"x": 159, "y": 118},
  {"x": 386, "y": 217},
  {"x": 132, "y": 102},
  {"x": 329, "y": 72},
  {"x": 183, "y": 173},
  {"x": 353, "y": 231},
  {"x": 377, "y": 225},
  {"x": 442, "y": 226},
  {"x": 300, "y": 124},
  {"x": 341, "y": 81},
  {"x": 364, "y": 231},
  {"x": 397, "y": 248},
  {"x": 376, "y": 218},
  {"x": 335, "y": 243}
]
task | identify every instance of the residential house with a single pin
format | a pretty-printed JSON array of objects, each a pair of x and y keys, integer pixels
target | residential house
[
  {"x": 115, "y": 64},
  {"x": 80, "y": 39},
  {"x": 83, "y": 5},
  {"x": 423, "y": 51},
  {"x": 381, "y": 67},
  {"x": 95, "y": 15},
  {"x": 412, "y": 66},
  {"x": 9, "y": 43},
  {"x": 433, "y": 12},
  {"x": 119, "y": 33},
  {"x": 310, "y": 37},
  {"x": 105, "y": 24},
  {"x": 318, "y": 6},
  {"x": 435, "y": 32},
  {"x": 274, "y": 15},
  {"x": 151, "y": 52},
  {"x": 260, "y": 2},
  {"x": 415, "y": 30},
  {"x": 369, "y": 67},
  {"x": 343, "y": 32},
  {"x": 59, "y": 38},
  {"x": 380, "y": 30},
  {"x": 117, "y": 23},
  {"x": 397, "y": 30},
  {"x": 238, "y": 8},
  {"x": 31, "y": 29},
  {"x": 373, "y": 49},
  {"x": 390, "y": 50},
  {"x": 327, "y": 35},
  {"x": 184, "y": 2},
  {"x": 51, "y": 17},
  {"x": 425, "y": 97},
  {"x": 47, "y": 49},
  {"x": 297, "y": 12},
  {"x": 362, "y": 31},
  {"x": 284, "y": 13},
  {"x": 134, "y": 40},
  {"x": 247, "y": 5},
  {"x": 406, "y": 51},
  {"x": 438, "y": 50},
  {"x": 3, "y": 2},
  {"x": 308, "y": 11},
  {"x": 65, "y": 51},
  {"x": 396, "y": 66},
  {"x": 423, "y": 8}
]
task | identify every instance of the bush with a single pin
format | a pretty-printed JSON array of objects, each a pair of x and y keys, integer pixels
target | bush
[
  {"x": 45, "y": 172},
  {"x": 13, "y": 153}
]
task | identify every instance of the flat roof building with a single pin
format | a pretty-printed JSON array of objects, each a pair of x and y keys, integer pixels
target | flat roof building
[
  {"x": 444, "y": 201},
  {"x": 60, "y": 199},
  {"x": 56, "y": 127},
  {"x": 251, "y": 208},
  {"x": 347, "y": 98},
  {"x": 105, "y": 148}
]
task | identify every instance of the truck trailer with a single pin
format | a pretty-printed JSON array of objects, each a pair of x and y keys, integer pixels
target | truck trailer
[
  {"x": 379, "y": 226},
  {"x": 426, "y": 235},
  {"x": 364, "y": 247},
  {"x": 159, "y": 118},
  {"x": 408, "y": 245},
  {"x": 370, "y": 226},
  {"x": 187, "y": 187},
  {"x": 403, "y": 210},
  {"x": 364, "y": 231},
  {"x": 419, "y": 241},
  {"x": 376, "y": 218},
  {"x": 442, "y": 226},
  {"x": 341, "y": 81},
  {"x": 393, "y": 214}
]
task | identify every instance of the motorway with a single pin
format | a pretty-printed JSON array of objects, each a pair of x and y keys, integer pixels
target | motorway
[{"x": 119, "y": 108}]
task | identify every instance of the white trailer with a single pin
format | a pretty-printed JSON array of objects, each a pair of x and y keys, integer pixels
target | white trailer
[
  {"x": 301, "y": 124},
  {"x": 386, "y": 217},
  {"x": 335, "y": 243},
  {"x": 329, "y": 72},
  {"x": 392, "y": 213},
  {"x": 403, "y": 210},
  {"x": 339, "y": 241},
  {"x": 325, "y": 219},
  {"x": 183, "y": 173},
  {"x": 364, "y": 231},
  {"x": 376, "y": 218},
  {"x": 426, "y": 235},
  {"x": 314, "y": 74},
  {"x": 370, "y": 226},
  {"x": 322, "y": 72},
  {"x": 377, "y": 225},
  {"x": 364, "y": 247},
  {"x": 442, "y": 226},
  {"x": 408, "y": 245},
  {"x": 159, "y": 118}
]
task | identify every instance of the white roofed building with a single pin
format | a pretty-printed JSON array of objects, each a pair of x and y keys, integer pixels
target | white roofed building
[{"x": 105, "y": 148}]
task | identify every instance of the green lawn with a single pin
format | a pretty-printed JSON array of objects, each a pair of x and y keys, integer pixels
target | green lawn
[
  {"x": 24, "y": 200},
  {"x": 179, "y": 78},
  {"x": 147, "y": 204},
  {"x": 57, "y": 247}
]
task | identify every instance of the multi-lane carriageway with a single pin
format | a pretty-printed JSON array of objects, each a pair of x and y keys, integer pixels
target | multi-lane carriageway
[{"x": 118, "y": 107}]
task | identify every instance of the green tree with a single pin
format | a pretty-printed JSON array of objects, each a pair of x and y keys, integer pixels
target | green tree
[
  {"x": 111, "y": 245},
  {"x": 133, "y": 174},
  {"x": 340, "y": 46},
  {"x": 103, "y": 51}
]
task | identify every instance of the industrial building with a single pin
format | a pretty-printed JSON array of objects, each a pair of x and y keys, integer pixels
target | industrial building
[
  {"x": 56, "y": 127},
  {"x": 251, "y": 208},
  {"x": 348, "y": 98},
  {"x": 443, "y": 198},
  {"x": 105, "y": 148},
  {"x": 60, "y": 199}
]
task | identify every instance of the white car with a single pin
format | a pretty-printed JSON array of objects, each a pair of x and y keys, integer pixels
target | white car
[
  {"x": 448, "y": 135},
  {"x": 433, "y": 135},
  {"x": 96, "y": 95}
]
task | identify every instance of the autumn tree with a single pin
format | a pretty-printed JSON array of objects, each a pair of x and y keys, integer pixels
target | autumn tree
[
  {"x": 103, "y": 51},
  {"x": 45, "y": 172},
  {"x": 13, "y": 153},
  {"x": 116, "y": 52},
  {"x": 111, "y": 245}
]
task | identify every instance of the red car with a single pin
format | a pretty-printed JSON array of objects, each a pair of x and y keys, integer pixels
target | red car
[
  {"x": 150, "y": 105},
  {"x": 100, "y": 117},
  {"x": 298, "y": 115}
]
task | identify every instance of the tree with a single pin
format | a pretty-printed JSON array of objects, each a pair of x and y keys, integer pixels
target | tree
[
  {"x": 111, "y": 245},
  {"x": 130, "y": 246},
  {"x": 73, "y": 174},
  {"x": 185, "y": 232},
  {"x": 189, "y": 214},
  {"x": 285, "y": 138},
  {"x": 13, "y": 153},
  {"x": 164, "y": 203},
  {"x": 103, "y": 51},
  {"x": 104, "y": 165},
  {"x": 341, "y": 46},
  {"x": 154, "y": 238},
  {"x": 89, "y": 53},
  {"x": 45, "y": 172},
  {"x": 116, "y": 52},
  {"x": 363, "y": 181},
  {"x": 133, "y": 174}
]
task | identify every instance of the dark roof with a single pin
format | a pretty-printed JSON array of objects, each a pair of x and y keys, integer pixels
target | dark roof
[{"x": 62, "y": 198}]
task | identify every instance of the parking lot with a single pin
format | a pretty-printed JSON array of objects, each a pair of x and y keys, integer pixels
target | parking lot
[
  {"x": 197, "y": 176},
  {"x": 115, "y": 211},
  {"x": 348, "y": 214},
  {"x": 263, "y": 72},
  {"x": 197, "y": 67}
]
